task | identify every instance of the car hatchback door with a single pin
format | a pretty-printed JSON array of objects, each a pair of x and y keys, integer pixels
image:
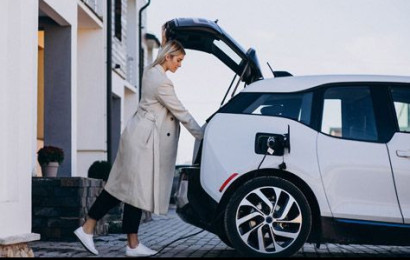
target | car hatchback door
[
  {"x": 207, "y": 36},
  {"x": 399, "y": 147},
  {"x": 354, "y": 163}
]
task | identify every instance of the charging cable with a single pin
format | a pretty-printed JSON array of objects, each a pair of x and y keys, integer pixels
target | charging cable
[
  {"x": 263, "y": 159},
  {"x": 213, "y": 222},
  {"x": 270, "y": 144},
  {"x": 167, "y": 245},
  {"x": 282, "y": 166}
]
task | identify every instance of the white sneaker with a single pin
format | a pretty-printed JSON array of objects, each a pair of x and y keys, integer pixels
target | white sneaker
[
  {"x": 140, "y": 250},
  {"x": 86, "y": 240}
]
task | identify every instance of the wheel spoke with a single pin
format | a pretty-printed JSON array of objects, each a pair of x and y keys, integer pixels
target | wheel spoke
[
  {"x": 278, "y": 192},
  {"x": 260, "y": 240},
  {"x": 285, "y": 234},
  {"x": 275, "y": 245},
  {"x": 289, "y": 205},
  {"x": 272, "y": 244},
  {"x": 246, "y": 235},
  {"x": 298, "y": 219},
  {"x": 247, "y": 218},
  {"x": 264, "y": 199},
  {"x": 248, "y": 203}
]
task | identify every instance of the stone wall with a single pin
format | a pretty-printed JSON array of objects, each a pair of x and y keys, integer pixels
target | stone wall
[
  {"x": 17, "y": 245},
  {"x": 60, "y": 205},
  {"x": 16, "y": 250}
]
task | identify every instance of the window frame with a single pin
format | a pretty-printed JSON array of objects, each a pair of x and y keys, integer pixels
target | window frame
[
  {"x": 382, "y": 107},
  {"x": 386, "y": 122},
  {"x": 118, "y": 20},
  {"x": 391, "y": 102},
  {"x": 232, "y": 108}
]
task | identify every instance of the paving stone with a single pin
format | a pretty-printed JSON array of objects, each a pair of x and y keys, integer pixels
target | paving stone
[{"x": 163, "y": 230}]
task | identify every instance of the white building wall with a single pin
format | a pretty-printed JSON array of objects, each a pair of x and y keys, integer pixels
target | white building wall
[
  {"x": 89, "y": 120},
  {"x": 92, "y": 114},
  {"x": 65, "y": 10},
  {"x": 126, "y": 88},
  {"x": 130, "y": 104},
  {"x": 132, "y": 30},
  {"x": 18, "y": 99},
  {"x": 18, "y": 113},
  {"x": 92, "y": 102},
  {"x": 118, "y": 89}
]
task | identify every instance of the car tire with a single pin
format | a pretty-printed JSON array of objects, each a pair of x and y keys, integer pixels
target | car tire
[
  {"x": 222, "y": 234},
  {"x": 268, "y": 217},
  {"x": 225, "y": 239}
]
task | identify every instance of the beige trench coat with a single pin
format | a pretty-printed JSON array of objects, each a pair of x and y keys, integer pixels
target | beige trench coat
[{"x": 143, "y": 170}]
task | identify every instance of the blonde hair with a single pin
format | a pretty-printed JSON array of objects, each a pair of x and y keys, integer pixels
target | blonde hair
[{"x": 172, "y": 48}]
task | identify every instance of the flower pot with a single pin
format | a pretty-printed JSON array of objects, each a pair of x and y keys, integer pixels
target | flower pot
[{"x": 50, "y": 169}]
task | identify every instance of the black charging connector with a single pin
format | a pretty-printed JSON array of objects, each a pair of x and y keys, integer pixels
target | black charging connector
[
  {"x": 273, "y": 144},
  {"x": 282, "y": 166}
]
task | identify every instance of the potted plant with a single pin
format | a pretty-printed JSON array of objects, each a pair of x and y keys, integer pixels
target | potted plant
[
  {"x": 49, "y": 158},
  {"x": 100, "y": 170}
]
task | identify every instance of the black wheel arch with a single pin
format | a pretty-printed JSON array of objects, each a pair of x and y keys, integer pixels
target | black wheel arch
[{"x": 316, "y": 231}]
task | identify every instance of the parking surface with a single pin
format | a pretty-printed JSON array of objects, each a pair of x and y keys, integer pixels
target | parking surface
[{"x": 163, "y": 230}]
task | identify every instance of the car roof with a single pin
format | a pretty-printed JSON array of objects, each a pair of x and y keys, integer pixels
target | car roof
[{"x": 300, "y": 83}]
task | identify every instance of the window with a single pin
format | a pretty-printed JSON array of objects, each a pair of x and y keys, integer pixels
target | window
[
  {"x": 401, "y": 99},
  {"x": 228, "y": 51},
  {"x": 117, "y": 19},
  {"x": 348, "y": 113},
  {"x": 296, "y": 106}
]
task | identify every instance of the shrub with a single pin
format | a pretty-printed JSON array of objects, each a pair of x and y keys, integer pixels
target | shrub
[
  {"x": 50, "y": 154},
  {"x": 99, "y": 170}
]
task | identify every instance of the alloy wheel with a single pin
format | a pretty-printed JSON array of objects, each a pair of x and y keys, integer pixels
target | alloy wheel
[
  {"x": 268, "y": 216},
  {"x": 268, "y": 219}
]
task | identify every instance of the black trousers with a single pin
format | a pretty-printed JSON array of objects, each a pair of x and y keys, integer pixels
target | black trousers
[{"x": 131, "y": 217}]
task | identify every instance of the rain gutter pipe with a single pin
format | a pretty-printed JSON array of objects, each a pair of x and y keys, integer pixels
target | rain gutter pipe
[
  {"x": 109, "y": 81},
  {"x": 140, "y": 51}
]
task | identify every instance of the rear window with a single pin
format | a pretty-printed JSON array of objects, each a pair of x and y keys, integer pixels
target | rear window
[{"x": 296, "y": 106}]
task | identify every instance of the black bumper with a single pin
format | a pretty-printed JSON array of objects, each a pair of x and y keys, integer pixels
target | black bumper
[{"x": 201, "y": 208}]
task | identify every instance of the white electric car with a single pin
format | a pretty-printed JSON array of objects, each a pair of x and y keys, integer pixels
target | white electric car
[{"x": 290, "y": 160}]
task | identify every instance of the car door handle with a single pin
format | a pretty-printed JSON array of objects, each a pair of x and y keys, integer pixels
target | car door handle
[{"x": 401, "y": 153}]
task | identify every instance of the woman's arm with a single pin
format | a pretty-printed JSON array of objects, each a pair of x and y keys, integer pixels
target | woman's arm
[{"x": 166, "y": 96}]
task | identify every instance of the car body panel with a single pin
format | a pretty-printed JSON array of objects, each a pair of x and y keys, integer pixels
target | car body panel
[
  {"x": 228, "y": 148},
  {"x": 358, "y": 180},
  {"x": 206, "y": 36},
  {"x": 301, "y": 83},
  {"x": 399, "y": 150}
]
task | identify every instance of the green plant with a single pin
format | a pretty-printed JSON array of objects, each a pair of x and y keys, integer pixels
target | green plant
[
  {"x": 50, "y": 154},
  {"x": 99, "y": 170}
]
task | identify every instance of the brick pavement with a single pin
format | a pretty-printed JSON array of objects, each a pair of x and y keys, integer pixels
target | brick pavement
[{"x": 162, "y": 230}]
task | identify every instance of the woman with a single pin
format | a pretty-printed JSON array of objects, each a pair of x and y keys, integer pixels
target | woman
[{"x": 143, "y": 170}]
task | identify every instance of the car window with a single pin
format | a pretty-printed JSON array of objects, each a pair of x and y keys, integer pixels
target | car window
[
  {"x": 348, "y": 113},
  {"x": 401, "y": 99},
  {"x": 296, "y": 106},
  {"x": 228, "y": 51}
]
